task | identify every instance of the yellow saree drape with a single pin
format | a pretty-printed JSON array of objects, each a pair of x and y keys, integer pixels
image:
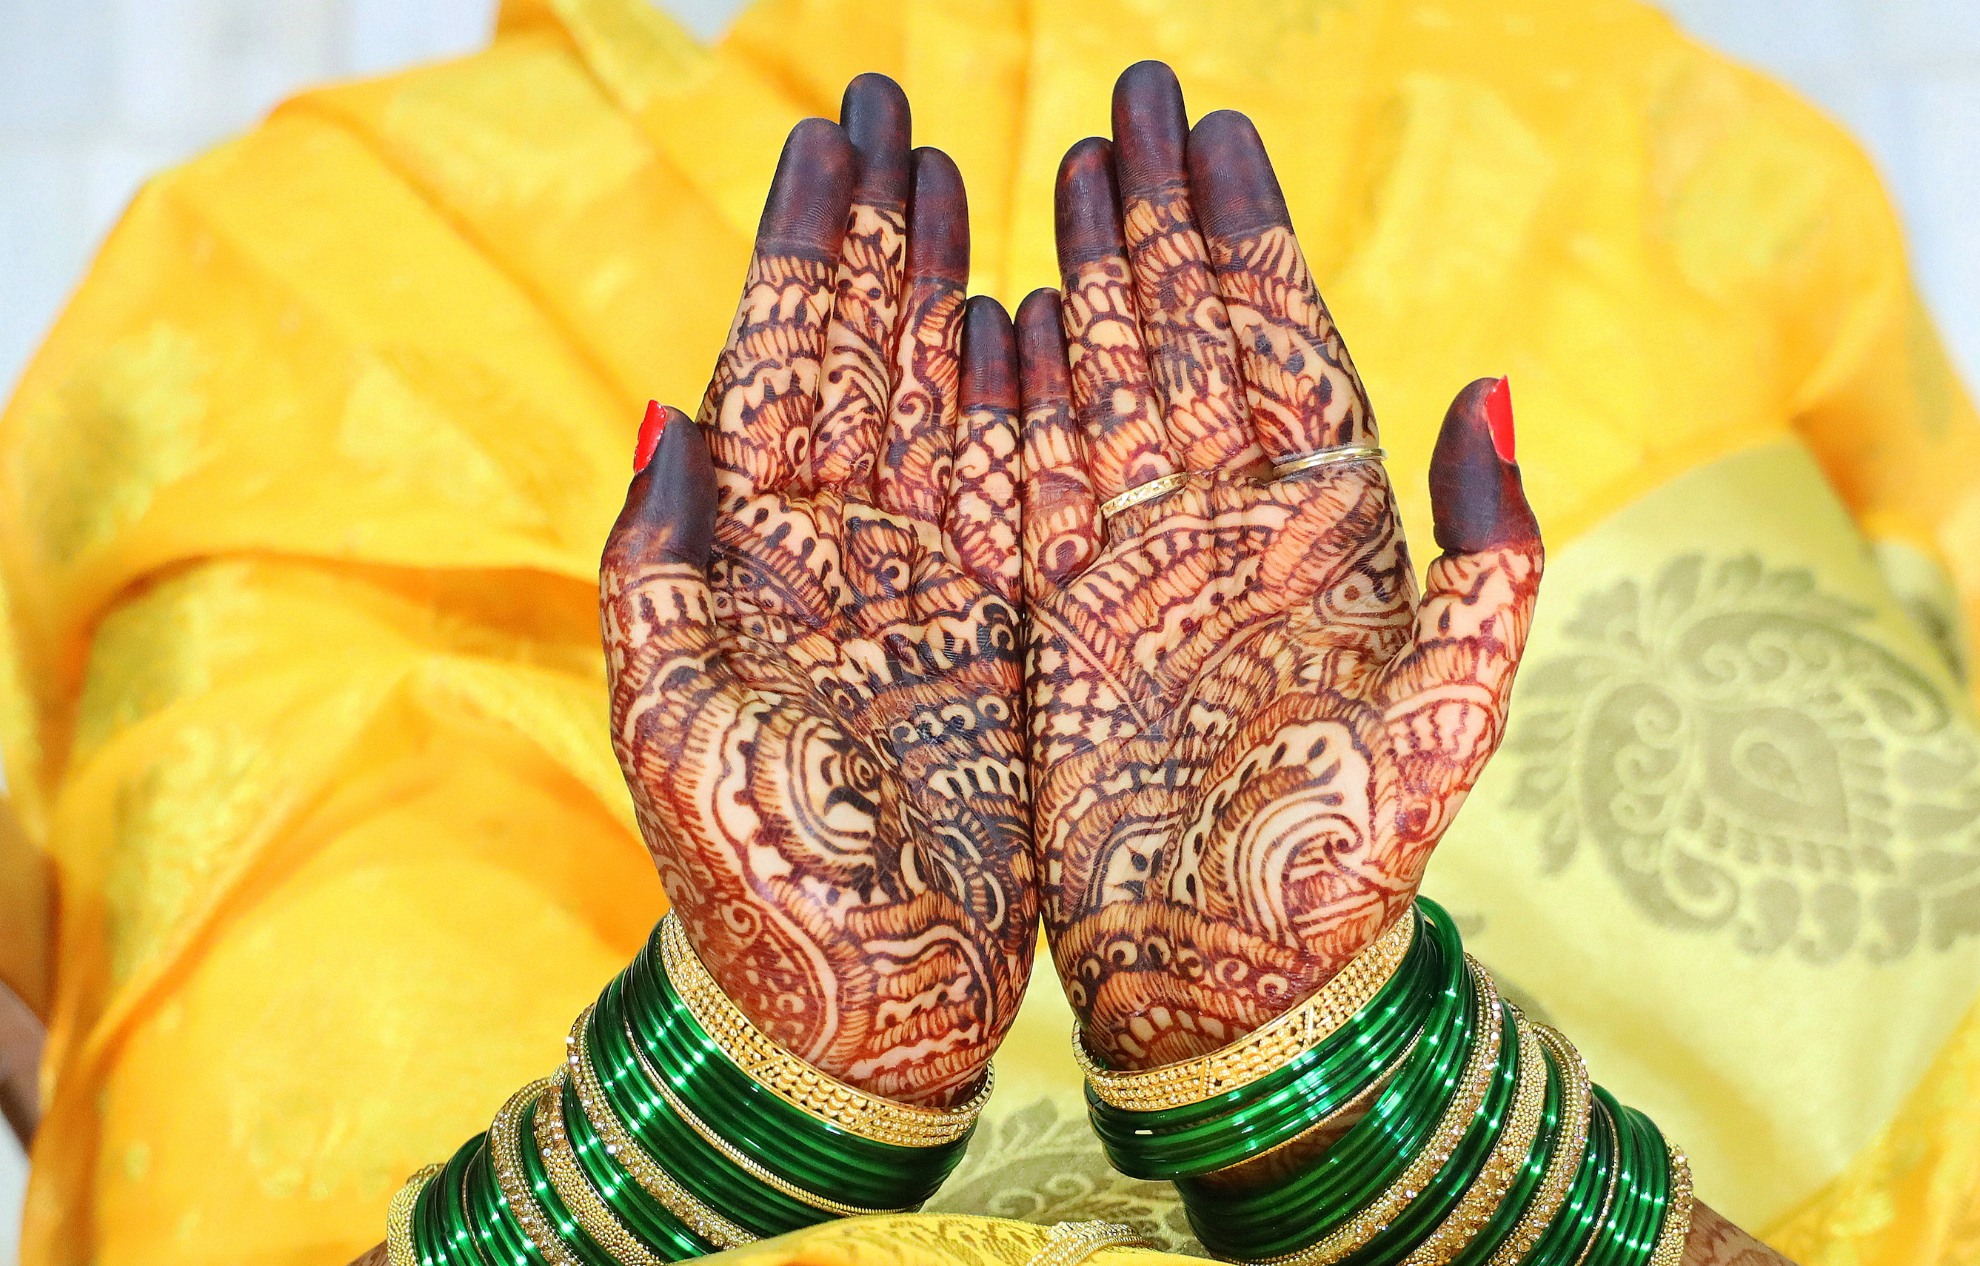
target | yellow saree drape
[{"x": 302, "y": 701}]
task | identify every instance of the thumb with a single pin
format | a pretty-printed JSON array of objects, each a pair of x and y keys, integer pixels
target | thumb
[
  {"x": 669, "y": 513},
  {"x": 1446, "y": 694},
  {"x": 656, "y": 611}
]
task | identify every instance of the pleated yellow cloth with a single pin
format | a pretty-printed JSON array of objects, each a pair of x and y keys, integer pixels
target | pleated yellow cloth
[{"x": 303, "y": 705}]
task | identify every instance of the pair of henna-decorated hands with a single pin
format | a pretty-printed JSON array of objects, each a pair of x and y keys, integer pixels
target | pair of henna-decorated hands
[
  {"x": 849, "y": 610},
  {"x": 853, "y": 604}
]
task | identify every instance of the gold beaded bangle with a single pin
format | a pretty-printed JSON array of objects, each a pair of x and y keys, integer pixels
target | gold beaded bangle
[
  {"x": 1495, "y": 1178},
  {"x": 1479, "y": 1069},
  {"x": 1615, "y": 1128},
  {"x": 553, "y": 1144},
  {"x": 1577, "y": 1094},
  {"x": 818, "y": 1093},
  {"x": 505, "y": 1158},
  {"x": 1266, "y": 1048},
  {"x": 1677, "y": 1213},
  {"x": 641, "y": 1164},
  {"x": 399, "y": 1218}
]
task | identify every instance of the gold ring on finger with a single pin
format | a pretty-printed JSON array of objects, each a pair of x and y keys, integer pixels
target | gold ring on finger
[
  {"x": 1134, "y": 496},
  {"x": 1328, "y": 457}
]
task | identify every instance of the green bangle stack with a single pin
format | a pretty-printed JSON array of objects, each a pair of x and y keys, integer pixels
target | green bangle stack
[
  {"x": 674, "y": 1129},
  {"x": 1483, "y": 1142}
]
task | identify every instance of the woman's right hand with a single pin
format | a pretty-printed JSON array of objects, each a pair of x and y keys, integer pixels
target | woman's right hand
[{"x": 810, "y": 630}]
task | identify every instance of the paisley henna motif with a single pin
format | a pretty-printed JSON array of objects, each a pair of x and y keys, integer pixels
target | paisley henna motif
[
  {"x": 815, "y": 674},
  {"x": 1248, "y": 732}
]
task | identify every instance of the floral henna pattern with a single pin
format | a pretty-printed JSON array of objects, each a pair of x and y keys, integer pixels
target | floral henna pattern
[
  {"x": 1125, "y": 444},
  {"x": 1192, "y": 350},
  {"x": 1247, "y": 730},
  {"x": 815, "y": 676},
  {"x": 853, "y": 393}
]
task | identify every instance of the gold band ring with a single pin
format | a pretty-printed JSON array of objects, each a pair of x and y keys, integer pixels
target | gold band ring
[
  {"x": 1328, "y": 457},
  {"x": 1144, "y": 492}
]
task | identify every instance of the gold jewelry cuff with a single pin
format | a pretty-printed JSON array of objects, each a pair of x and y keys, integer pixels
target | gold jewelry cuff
[
  {"x": 1159, "y": 487},
  {"x": 1264, "y": 1049},
  {"x": 1329, "y": 457},
  {"x": 814, "y": 1091}
]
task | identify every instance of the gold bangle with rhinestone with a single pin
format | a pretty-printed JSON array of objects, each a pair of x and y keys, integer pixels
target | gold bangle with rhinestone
[
  {"x": 1577, "y": 1094},
  {"x": 1264, "y": 1049},
  {"x": 553, "y": 1144},
  {"x": 505, "y": 1158},
  {"x": 1669, "y": 1250},
  {"x": 399, "y": 1249},
  {"x": 812, "y": 1090},
  {"x": 1161, "y": 486},
  {"x": 645, "y": 1169},
  {"x": 1329, "y": 457},
  {"x": 1480, "y": 1067},
  {"x": 1481, "y": 1200}
]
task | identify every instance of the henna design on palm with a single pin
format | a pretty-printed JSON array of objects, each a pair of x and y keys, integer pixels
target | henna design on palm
[
  {"x": 1248, "y": 731},
  {"x": 813, "y": 649}
]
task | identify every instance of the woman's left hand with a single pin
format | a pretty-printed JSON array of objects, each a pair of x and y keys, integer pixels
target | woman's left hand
[{"x": 1248, "y": 729}]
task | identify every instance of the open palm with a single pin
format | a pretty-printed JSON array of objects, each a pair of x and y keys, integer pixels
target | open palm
[
  {"x": 1248, "y": 731},
  {"x": 811, "y": 634}
]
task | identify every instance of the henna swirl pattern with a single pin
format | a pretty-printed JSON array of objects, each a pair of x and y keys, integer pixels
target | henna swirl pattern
[
  {"x": 812, "y": 644},
  {"x": 1248, "y": 731}
]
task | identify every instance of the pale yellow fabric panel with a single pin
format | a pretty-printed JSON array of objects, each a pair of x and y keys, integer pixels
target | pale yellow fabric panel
[{"x": 1736, "y": 782}]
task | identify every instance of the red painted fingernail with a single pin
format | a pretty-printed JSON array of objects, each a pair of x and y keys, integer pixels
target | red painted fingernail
[
  {"x": 649, "y": 435},
  {"x": 1498, "y": 411}
]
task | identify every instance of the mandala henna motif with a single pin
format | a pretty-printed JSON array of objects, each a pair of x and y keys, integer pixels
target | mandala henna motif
[
  {"x": 1246, "y": 729},
  {"x": 814, "y": 675}
]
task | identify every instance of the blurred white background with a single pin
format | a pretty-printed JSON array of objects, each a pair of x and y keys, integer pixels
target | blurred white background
[{"x": 93, "y": 96}]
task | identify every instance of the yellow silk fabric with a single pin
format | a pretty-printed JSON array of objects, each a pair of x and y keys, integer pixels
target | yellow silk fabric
[{"x": 302, "y": 702}]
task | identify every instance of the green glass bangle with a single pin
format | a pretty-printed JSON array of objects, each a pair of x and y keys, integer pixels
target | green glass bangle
[
  {"x": 1628, "y": 1235},
  {"x": 446, "y": 1240},
  {"x": 1213, "y": 1134},
  {"x": 1567, "y": 1238},
  {"x": 1368, "y": 1159},
  {"x": 566, "y": 1228},
  {"x": 500, "y": 1239},
  {"x": 810, "y": 1153},
  {"x": 649, "y": 1221},
  {"x": 713, "y": 1178},
  {"x": 1447, "y": 1186},
  {"x": 1531, "y": 1174}
]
